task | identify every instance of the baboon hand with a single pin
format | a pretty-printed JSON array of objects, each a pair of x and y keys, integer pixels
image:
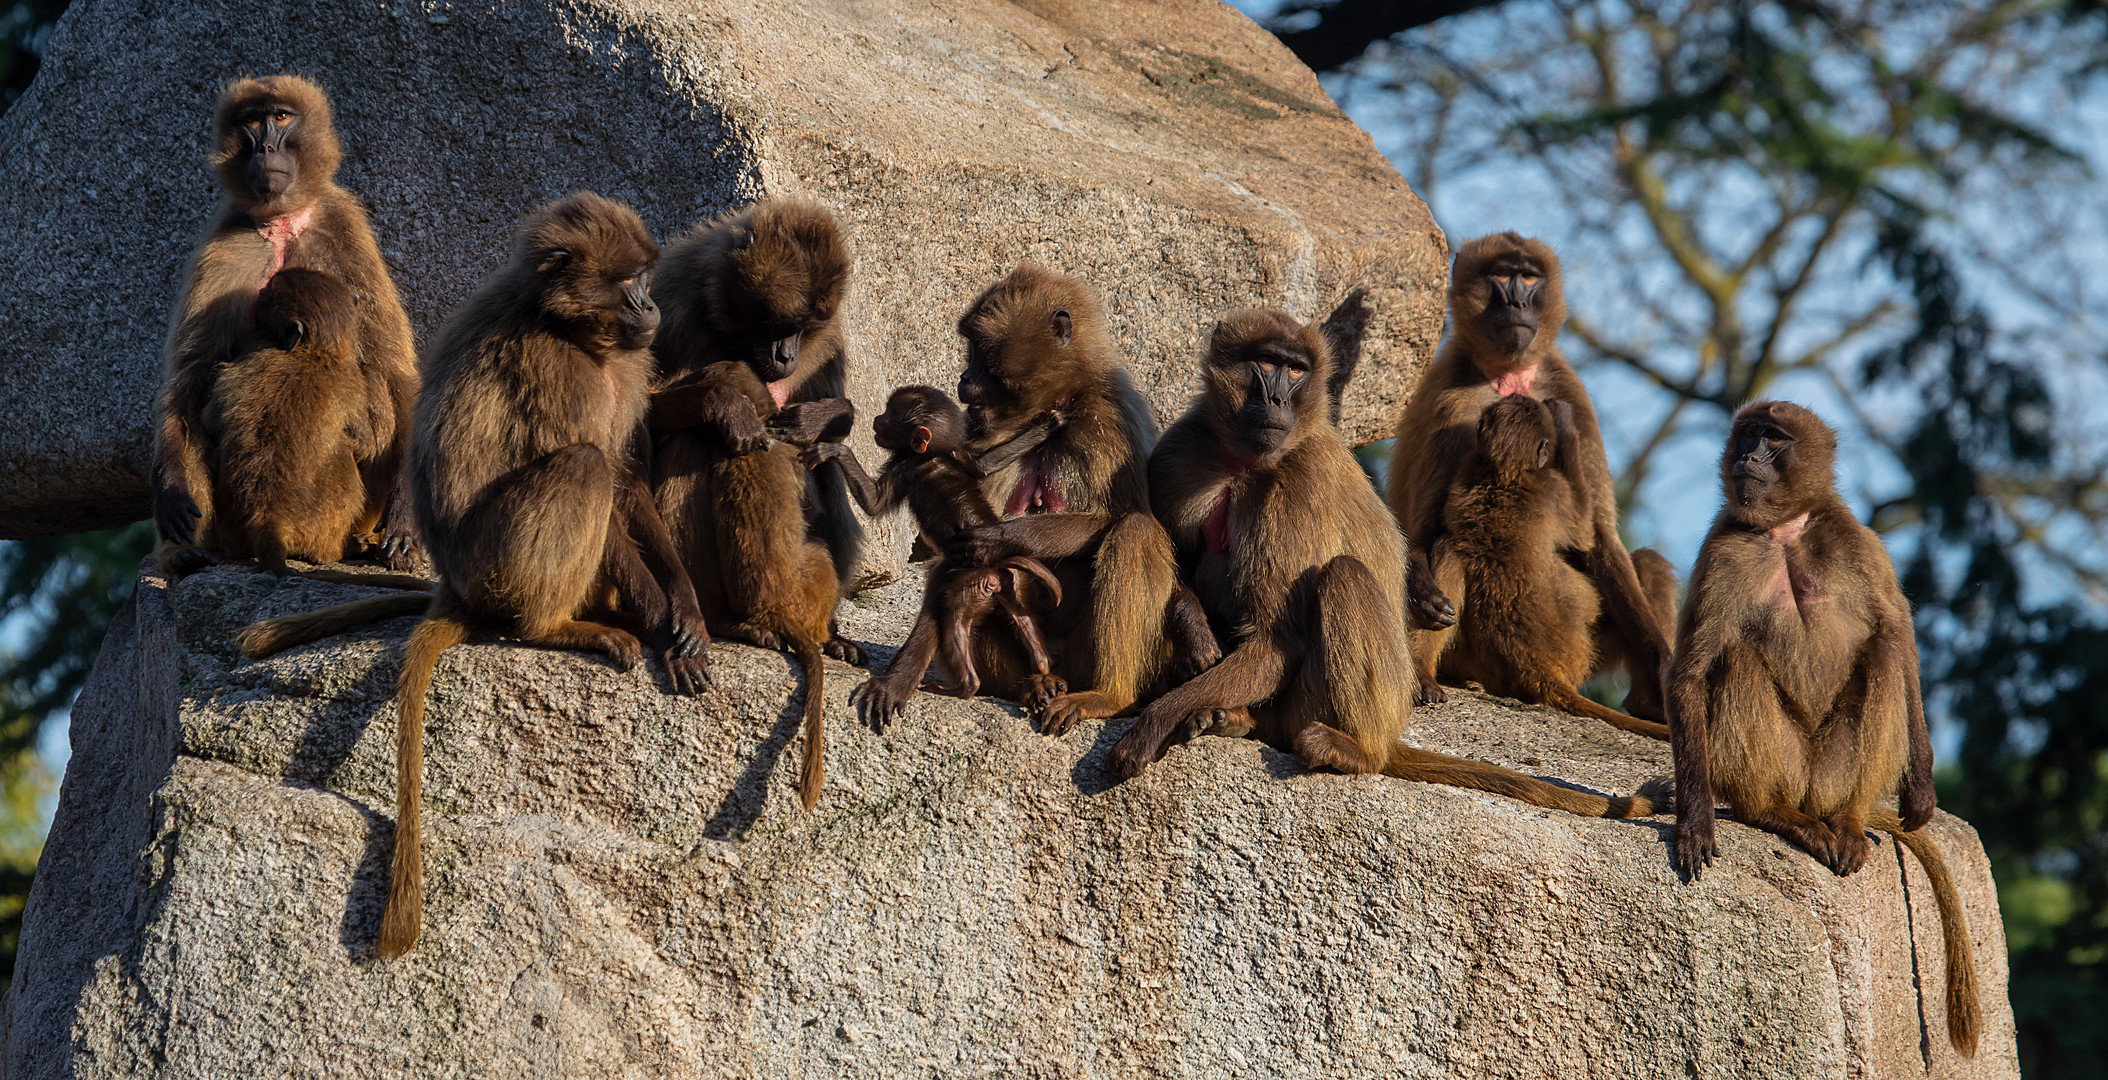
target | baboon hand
[
  {"x": 401, "y": 548},
  {"x": 819, "y": 454},
  {"x": 1430, "y": 609},
  {"x": 176, "y": 514},
  {"x": 809, "y": 422},
  {"x": 744, "y": 432},
  {"x": 1694, "y": 848},
  {"x": 1142, "y": 746},
  {"x": 877, "y": 703},
  {"x": 689, "y": 674},
  {"x": 1430, "y": 693}
]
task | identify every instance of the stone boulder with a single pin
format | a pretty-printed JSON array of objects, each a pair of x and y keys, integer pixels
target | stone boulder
[
  {"x": 1172, "y": 152},
  {"x": 620, "y": 884}
]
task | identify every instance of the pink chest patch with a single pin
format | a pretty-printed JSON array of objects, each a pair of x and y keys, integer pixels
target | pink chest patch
[
  {"x": 280, "y": 232},
  {"x": 1035, "y": 492},
  {"x": 780, "y": 392},
  {"x": 1791, "y": 587},
  {"x": 1215, "y": 528},
  {"x": 1510, "y": 383}
]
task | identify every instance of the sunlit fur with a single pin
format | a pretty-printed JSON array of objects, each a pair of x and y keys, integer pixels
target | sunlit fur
[
  {"x": 1794, "y": 695},
  {"x": 316, "y": 143}
]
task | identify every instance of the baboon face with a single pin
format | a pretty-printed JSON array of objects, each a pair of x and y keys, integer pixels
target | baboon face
[
  {"x": 300, "y": 306},
  {"x": 1777, "y": 462},
  {"x": 593, "y": 261},
  {"x": 1265, "y": 380},
  {"x": 918, "y": 420},
  {"x": 787, "y": 269},
  {"x": 275, "y": 145},
  {"x": 1504, "y": 293},
  {"x": 1516, "y": 433}
]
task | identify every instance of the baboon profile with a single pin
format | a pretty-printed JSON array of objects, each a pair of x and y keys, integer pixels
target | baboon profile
[
  {"x": 759, "y": 577},
  {"x": 1505, "y": 310},
  {"x": 1299, "y": 564},
  {"x": 1036, "y": 341},
  {"x": 280, "y": 210},
  {"x": 534, "y": 511},
  {"x": 929, "y": 469},
  {"x": 1524, "y": 614},
  {"x": 1794, "y": 693},
  {"x": 764, "y": 286}
]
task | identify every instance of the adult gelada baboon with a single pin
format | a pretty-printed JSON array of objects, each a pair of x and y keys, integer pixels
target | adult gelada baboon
[
  {"x": 762, "y": 285},
  {"x": 275, "y": 155},
  {"x": 1505, "y": 310},
  {"x": 1035, "y": 342},
  {"x": 535, "y": 514},
  {"x": 1794, "y": 693},
  {"x": 1300, "y": 566}
]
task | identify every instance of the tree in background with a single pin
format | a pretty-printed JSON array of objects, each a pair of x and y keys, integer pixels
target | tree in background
[{"x": 1885, "y": 209}]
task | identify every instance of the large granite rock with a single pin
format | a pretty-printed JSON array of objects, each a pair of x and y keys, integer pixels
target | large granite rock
[
  {"x": 1171, "y": 152},
  {"x": 621, "y": 885}
]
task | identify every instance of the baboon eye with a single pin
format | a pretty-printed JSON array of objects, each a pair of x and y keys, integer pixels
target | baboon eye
[
  {"x": 1295, "y": 374},
  {"x": 1502, "y": 278},
  {"x": 281, "y": 116},
  {"x": 1266, "y": 367},
  {"x": 1531, "y": 281}
]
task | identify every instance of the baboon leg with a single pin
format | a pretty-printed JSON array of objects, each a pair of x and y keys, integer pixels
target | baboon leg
[
  {"x": 1132, "y": 586},
  {"x": 1855, "y": 755},
  {"x": 619, "y": 645},
  {"x": 546, "y": 526},
  {"x": 1027, "y": 631},
  {"x": 1194, "y": 648},
  {"x": 1616, "y": 650},
  {"x": 955, "y": 650},
  {"x": 1758, "y": 755},
  {"x": 1347, "y": 702}
]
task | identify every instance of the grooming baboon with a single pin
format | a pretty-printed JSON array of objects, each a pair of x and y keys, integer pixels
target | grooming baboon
[
  {"x": 275, "y": 156},
  {"x": 535, "y": 389},
  {"x": 1299, "y": 564},
  {"x": 1524, "y": 613},
  {"x": 1794, "y": 692},
  {"x": 758, "y": 575},
  {"x": 930, "y": 470},
  {"x": 1036, "y": 341},
  {"x": 1505, "y": 312},
  {"x": 761, "y": 285}
]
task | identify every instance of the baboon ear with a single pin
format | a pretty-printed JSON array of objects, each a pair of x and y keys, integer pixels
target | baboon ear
[
  {"x": 742, "y": 239},
  {"x": 1064, "y": 328},
  {"x": 553, "y": 260},
  {"x": 295, "y": 333},
  {"x": 921, "y": 440},
  {"x": 1544, "y": 452}
]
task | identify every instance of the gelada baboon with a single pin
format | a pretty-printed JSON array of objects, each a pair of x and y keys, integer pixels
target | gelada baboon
[
  {"x": 1523, "y": 612},
  {"x": 1505, "y": 312},
  {"x": 761, "y": 285},
  {"x": 1299, "y": 564},
  {"x": 760, "y": 578},
  {"x": 275, "y": 157},
  {"x": 1035, "y": 342},
  {"x": 535, "y": 514},
  {"x": 929, "y": 469},
  {"x": 1794, "y": 693}
]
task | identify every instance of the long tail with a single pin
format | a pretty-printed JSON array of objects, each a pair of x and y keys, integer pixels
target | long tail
[
  {"x": 277, "y": 635},
  {"x": 401, "y": 915},
  {"x": 376, "y": 581},
  {"x": 1965, "y": 1020},
  {"x": 1573, "y": 701},
  {"x": 1037, "y": 569},
  {"x": 1429, "y": 767},
  {"x": 812, "y": 774}
]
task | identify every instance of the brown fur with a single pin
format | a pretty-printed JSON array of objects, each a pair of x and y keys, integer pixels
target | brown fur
[
  {"x": 731, "y": 289},
  {"x": 1036, "y": 341},
  {"x": 521, "y": 471},
  {"x": 310, "y": 224},
  {"x": 1794, "y": 694},
  {"x": 1524, "y": 614},
  {"x": 930, "y": 469},
  {"x": 1299, "y": 564},
  {"x": 759, "y": 577},
  {"x": 1486, "y": 356}
]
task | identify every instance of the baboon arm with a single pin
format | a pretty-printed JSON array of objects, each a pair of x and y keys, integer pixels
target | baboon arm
[
  {"x": 655, "y": 543},
  {"x": 1039, "y": 536},
  {"x": 1688, "y": 703},
  {"x": 808, "y": 422},
  {"x": 1252, "y": 673},
  {"x": 699, "y": 405},
  {"x": 877, "y": 497},
  {"x": 179, "y": 454},
  {"x": 1024, "y": 442}
]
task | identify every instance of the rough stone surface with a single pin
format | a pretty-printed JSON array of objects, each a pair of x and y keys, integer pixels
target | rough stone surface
[
  {"x": 620, "y": 885},
  {"x": 1171, "y": 152}
]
